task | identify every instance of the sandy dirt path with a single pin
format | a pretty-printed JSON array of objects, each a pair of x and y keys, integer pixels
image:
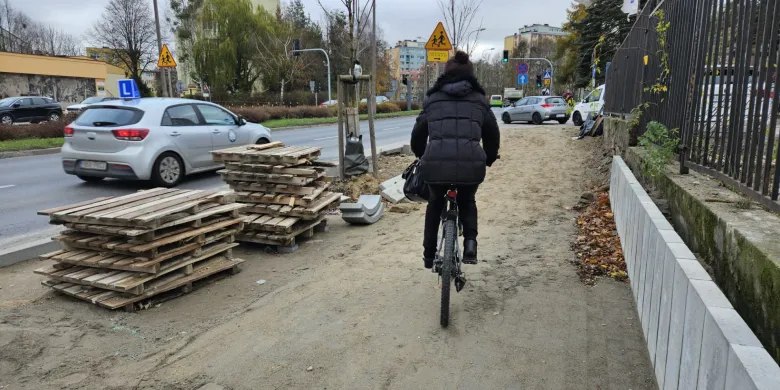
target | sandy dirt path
[{"x": 357, "y": 307}]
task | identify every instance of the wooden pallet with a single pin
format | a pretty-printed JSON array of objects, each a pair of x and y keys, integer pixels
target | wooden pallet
[
  {"x": 285, "y": 240},
  {"x": 179, "y": 279},
  {"x": 209, "y": 214},
  {"x": 328, "y": 201},
  {"x": 263, "y": 177},
  {"x": 280, "y": 155},
  {"x": 279, "y": 199},
  {"x": 97, "y": 259},
  {"x": 305, "y": 171},
  {"x": 313, "y": 189},
  {"x": 149, "y": 209},
  {"x": 175, "y": 244},
  {"x": 128, "y": 281}
]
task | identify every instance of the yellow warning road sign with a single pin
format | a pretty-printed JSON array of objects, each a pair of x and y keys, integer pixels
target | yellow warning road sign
[
  {"x": 438, "y": 55},
  {"x": 166, "y": 58},
  {"x": 439, "y": 40},
  {"x": 546, "y": 81}
]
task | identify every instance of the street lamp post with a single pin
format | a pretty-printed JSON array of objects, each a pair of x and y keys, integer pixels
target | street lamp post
[{"x": 468, "y": 37}]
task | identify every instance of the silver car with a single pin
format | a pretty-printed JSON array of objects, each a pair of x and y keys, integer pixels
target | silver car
[
  {"x": 537, "y": 109},
  {"x": 76, "y": 108},
  {"x": 158, "y": 139}
]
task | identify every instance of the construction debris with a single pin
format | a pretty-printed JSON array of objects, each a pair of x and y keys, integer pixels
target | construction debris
[
  {"x": 120, "y": 251},
  {"x": 285, "y": 188},
  {"x": 367, "y": 210}
]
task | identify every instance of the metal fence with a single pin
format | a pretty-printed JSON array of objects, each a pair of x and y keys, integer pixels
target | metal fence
[{"x": 722, "y": 61}]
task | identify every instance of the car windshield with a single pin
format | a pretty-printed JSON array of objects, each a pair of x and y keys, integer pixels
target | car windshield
[
  {"x": 109, "y": 116},
  {"x": 7, "y": 102},
  {"x": 92, "y": 100}
]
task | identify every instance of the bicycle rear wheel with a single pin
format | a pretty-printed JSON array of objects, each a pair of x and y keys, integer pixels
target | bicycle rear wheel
[{"x": 448, "y": 262}]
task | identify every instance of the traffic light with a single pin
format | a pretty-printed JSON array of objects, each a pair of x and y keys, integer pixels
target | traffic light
[
  {"x": 296, "y": 47},
  {"x": 403, "y": 80},
  {"x": 538, "y": 81},
  {"x": 506, "y": 56}
]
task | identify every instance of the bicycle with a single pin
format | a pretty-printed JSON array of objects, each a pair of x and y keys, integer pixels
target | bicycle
[{"x": 448, "y": 265}]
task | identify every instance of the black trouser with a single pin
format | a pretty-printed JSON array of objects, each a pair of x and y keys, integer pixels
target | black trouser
[{"x": 467, "y": 212}]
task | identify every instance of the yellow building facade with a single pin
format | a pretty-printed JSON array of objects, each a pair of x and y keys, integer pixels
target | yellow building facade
[{"x": 66, "y": 79}]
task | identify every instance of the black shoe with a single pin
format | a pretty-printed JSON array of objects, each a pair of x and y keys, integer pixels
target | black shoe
[
  {"x": 469, "y": 251},
  {"x": 428, "y": 262}
]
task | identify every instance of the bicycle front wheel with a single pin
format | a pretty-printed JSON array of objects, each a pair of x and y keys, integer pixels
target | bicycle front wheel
[{"x": 448, "y": 262}]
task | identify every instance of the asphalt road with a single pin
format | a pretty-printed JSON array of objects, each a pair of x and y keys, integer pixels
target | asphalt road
[{"x": 29, "y": 184}]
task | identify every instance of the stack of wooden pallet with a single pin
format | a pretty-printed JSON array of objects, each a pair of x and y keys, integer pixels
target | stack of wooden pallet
[
  {"x": 285, "y": 187},
  {"x": 123, "y": 250}
]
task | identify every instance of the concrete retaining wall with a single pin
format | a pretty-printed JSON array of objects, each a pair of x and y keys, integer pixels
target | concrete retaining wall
[
  {"x": 618, "y": 135},
  {"x": 695, "y": 338}
]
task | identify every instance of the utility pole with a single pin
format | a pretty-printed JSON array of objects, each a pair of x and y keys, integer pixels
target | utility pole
[
  {"x": 373, "y": 84},
  {"x": 165, "y": 84}
]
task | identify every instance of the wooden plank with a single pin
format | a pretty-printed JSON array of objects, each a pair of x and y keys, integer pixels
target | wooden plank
[
  {"x": 113, "y": 201},
  {"x": 279, "y": 239},
  {"x": 70, "y": 206},
  {"x": 192, "y": 233},
  {"x": 154, "y": 219},
  {"x": 158, "y": 204},
  {"x": 107, "y": 209},
  {"x": 270, "y": 145}
]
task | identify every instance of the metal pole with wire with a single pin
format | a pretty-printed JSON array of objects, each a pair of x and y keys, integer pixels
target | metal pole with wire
[{"x": 327, "y": 59}]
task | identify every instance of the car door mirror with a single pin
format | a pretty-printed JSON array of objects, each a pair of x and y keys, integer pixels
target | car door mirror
[
  {"x": 241, "y": 121},
  {"x": 16, "y": 105}
]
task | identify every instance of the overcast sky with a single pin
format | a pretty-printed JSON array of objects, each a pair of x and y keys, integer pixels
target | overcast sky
[{"x": 400, "y": 19}]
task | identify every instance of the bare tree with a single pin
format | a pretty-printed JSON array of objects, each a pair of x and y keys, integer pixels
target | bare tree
[
  {"x": 22, "y": 34},
  {"x": 127, "y": 28},
  {"x": 458, "y": 19}
]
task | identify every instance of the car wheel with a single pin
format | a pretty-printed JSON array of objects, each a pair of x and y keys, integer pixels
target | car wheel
[
  {"x": 262, "y": 141},
  {"x": 6, "y": 119},
  {"x": 54, "y": 116},
  {"x": 537, "y": 118},
  {"x": 168, "y": 170},
  {"x": 577, "y": 118},
  {"x": 563, "y": 121},
  {"x": 506, "y": 118},
  {"x": 91, "y": 179}
]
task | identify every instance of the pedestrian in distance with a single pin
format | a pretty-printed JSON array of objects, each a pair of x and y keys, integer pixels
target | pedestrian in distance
[{"x": 446, "y": 138}]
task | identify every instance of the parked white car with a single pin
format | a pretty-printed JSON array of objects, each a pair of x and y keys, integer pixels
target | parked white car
[
  {"x": 77, "y": 108},
  {"x": 592, "y": 103},
  {"x": 158, "y": 139},
  {"x": 379, "y": 100}
]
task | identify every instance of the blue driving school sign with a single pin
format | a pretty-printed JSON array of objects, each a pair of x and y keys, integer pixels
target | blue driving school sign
[
  {"x": 522, "y": 79},
  {"x": 128, "y": 89}
]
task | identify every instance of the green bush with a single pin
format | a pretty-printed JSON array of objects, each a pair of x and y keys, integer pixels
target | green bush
[
  {"x": 259, "y": 114},
  {"x": 35, "y": 130},
  {"x": 402, "y": 105},
  {"x": 381, "y": 108}
]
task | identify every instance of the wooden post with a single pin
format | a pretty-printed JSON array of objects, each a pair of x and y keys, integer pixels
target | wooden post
[
  {"x": 371, "y": 111},
  {"x": 339, "y": 102}
]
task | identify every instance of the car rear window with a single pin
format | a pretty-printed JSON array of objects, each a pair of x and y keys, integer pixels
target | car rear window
[
  {"x": 555, "y": 100},
  {"x": 495, "y": 97},
  {"x": 109, "y": 116}
]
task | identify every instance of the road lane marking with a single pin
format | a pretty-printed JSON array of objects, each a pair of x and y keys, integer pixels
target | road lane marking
[
  {"x": 324, "y": 138},
  {"x": 8, "y": 186}
]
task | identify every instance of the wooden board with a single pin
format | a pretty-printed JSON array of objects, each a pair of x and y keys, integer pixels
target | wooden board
[
  {"x": 114, "y": 300},
  {"x": 281, "y": 155},
  {"x": 305, "y": 171},
  {"x": 148, "y": 209},
  {"x": 97, "y": 259},
  {"x": 313, "y": 189},
  {"x": 149, "y": 250},
  {"x": 269, "y": 223},
  {"x": 280, "y": 239},
  {"x": 265, "y": 177},
  {"x": 128, "y": 281},
  {"x": 327, "y": 201},
  {"x": 209, "y": 213}
]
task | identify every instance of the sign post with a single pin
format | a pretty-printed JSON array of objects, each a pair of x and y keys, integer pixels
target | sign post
[
  {"x": 165, "y": 61},
  {"x": 438, "y": 45}
]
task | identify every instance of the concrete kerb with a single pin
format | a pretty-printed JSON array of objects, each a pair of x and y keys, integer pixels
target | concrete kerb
[
  {"x": 30, "y": 246},
  {"x": 26, "y": 153},
  {"x": 695, "y": 338}
]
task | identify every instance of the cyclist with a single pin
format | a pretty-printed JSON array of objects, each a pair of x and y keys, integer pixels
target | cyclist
[{"x": 446, "y": 139}]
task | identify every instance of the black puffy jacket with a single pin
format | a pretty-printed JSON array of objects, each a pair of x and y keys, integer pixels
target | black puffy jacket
[{"x": 446, "y": 137}]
